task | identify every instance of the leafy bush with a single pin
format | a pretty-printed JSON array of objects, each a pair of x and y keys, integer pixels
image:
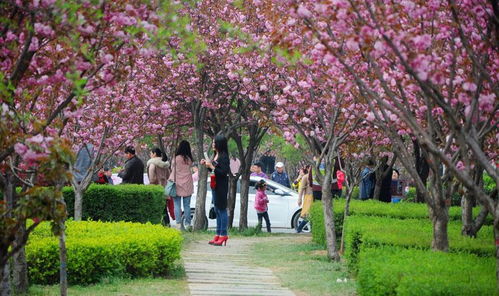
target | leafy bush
[
  {"x": 100, "y": 249},
  {"x": 375, "y": 208},
  {"x": 135, "y": 203},
  {"x": 397, "y": 271},
  {"x": 365, "y": 232}
]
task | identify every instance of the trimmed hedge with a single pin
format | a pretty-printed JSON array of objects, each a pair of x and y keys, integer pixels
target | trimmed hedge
[
  {"x": 365, "y": 232},
  {"x": 397, "y": 271},
  {"x": 376, "y": 208},
  {"x": 135, "y": 203},
  {"x": 99, "y": 249}
]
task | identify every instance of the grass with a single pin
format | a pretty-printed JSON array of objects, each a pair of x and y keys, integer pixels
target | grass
[
  {"x": 303, "y": 266},
  {"x": 148, "y": 286}
]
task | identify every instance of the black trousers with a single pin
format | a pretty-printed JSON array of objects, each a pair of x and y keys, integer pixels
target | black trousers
[{"x": 267, "y": 220}]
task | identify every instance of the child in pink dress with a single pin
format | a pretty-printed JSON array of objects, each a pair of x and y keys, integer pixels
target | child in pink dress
[{"x": 261, "y": 201}]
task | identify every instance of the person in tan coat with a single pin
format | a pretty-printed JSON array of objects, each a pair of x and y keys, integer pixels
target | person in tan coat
[
  {"x": 305, "y": 197},
  {"x": 158, "y": 171},
  {"x": 182, "y": 176}
]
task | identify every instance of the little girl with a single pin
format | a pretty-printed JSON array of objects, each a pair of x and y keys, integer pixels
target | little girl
[{"x": 261, "y": 201}]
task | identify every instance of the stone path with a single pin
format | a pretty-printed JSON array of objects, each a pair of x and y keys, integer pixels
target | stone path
[{"x": 226, "y": 270}]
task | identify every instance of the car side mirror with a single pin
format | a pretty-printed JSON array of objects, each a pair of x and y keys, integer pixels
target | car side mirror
[{"x": 280, "y": 192}]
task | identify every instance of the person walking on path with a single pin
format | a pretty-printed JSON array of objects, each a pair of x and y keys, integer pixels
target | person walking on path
[
  {"x": 158, "y": 171},
  {"x": 221, "y": 167},
  {"x": 133, "y": 173},
  {"x": 182, "y": 176},
  {"x": 257, "y": 166},
  {"x": 280, "y": 176},
  {"x": 261, "y": 201},
  {"x": 305, "y": 197}
]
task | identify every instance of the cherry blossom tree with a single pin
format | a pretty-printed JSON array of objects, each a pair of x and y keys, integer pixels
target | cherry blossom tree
[
  {"x": 427, "y": 71},
  {"x": 54, "y": 56}
]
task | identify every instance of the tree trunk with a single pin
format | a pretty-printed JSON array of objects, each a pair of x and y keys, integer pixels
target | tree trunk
[
  {"x": 422, "y": 169},
  {"x": 346, "y": 213},
  {"x": 200, "y": 212},
  {"x": 496, "y": 236},
  {"x": 78, "y": 190},
  {"x": 327, "y": 202},
  {"x": 440, "y": 219},
  {"x": 231, "y": 199},
  {"x": 20, "y": 269},
  {"x": 467, "y": 213},
  {"x": 243, "y": 213},
  {"x": 63, "y": 271},
  {"x": 439, "y": 210},
  {"x": 379, "y": 173},
  {"x": 479, "y": 221},
  {"x": 4, "y": 277}
]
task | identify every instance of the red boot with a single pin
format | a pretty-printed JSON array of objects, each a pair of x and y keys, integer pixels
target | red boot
[
  {"x": 214, "y": 240},
  {"x": 222, "y": 240}
]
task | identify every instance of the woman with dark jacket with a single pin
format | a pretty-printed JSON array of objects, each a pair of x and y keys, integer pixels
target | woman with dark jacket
[{"x": 221, "y": 167}]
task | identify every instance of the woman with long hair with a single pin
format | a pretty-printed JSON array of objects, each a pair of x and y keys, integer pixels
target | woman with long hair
[
  {"x": 305, "y": 197},
  {"x": 221, "y": 167},
  {"x": 158, "y": 171},
  {"x": 182, "y": 176}
]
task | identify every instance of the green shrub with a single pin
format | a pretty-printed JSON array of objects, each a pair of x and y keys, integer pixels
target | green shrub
[
  {"x": 397, "y": 271},
  {"x": 365, "y": 232},
  {"x": 375, "y": 208},
  {"x": 135, "y": 203},
  {"x": 100, "y": 249}
]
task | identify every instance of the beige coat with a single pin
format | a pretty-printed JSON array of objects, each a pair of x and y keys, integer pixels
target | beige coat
[
  {"x": 305, "y": 196},
  {"x": 182, "y": 175},
  {"x": 158, "y": 171}
]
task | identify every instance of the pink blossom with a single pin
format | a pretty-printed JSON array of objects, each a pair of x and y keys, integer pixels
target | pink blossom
[
  {"x": 370, "y": 116},
  {"x": 36, "y": 139},
  {"x": 48, "y": 3},
  {"x": 422, "y": 42},
  {"x": 486, "y": 102},
  {"x": 304, "y": 84},
  {"x": 107, "y": 58},
  {"x": 20, "y": 148},
  {"x": 303, "y": 12},
  {"x": 352, "y": 44},
  {"x": 469, "y": 86},
  {"x": 43, "y": 30},
  {"x": 34, "y": 44}
]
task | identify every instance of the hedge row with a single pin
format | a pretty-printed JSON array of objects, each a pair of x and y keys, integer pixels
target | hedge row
[
  {"x": 134, "y": 203},
  {"x": 404, "y": 272},
  {"x": 375, "y": 208},
  {"x": 99, "y": 249},
  {"x": 365, "y": 232}
]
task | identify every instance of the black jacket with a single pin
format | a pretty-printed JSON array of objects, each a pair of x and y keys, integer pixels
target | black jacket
[
  {"x": 133, "y": 172},
  {"x": 222, "y": 170}
]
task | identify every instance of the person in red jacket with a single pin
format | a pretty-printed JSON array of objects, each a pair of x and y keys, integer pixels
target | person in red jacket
[{"x": 338, "y": 179}]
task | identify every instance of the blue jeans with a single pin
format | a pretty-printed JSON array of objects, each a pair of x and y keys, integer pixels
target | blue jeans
[
  {"x": 222, "y": 221},
  {"x": 178, "y": 209},
  {"x": 222, "y": 218}
]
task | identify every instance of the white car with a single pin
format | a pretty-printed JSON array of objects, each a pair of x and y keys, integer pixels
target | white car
[{"x": 283, "y": 208}]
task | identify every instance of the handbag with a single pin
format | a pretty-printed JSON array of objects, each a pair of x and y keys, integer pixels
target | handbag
[
  {"x": 212, "y": 214},
  {"x": 171, "y": 188},
  {"x": 213, "y": 181}
]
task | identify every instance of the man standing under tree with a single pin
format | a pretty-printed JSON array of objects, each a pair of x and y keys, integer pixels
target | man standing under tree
[
  {"x": 280, "y": 176},
  {"x": 133, "y": 173}
]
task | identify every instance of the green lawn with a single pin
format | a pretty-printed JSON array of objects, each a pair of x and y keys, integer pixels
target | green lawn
[
  {"x": 303, "y": 266},
  {"x": 156, "y": 286}
]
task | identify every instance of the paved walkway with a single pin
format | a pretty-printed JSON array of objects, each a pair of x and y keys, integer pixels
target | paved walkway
[{"x": 225, "y": 270}]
